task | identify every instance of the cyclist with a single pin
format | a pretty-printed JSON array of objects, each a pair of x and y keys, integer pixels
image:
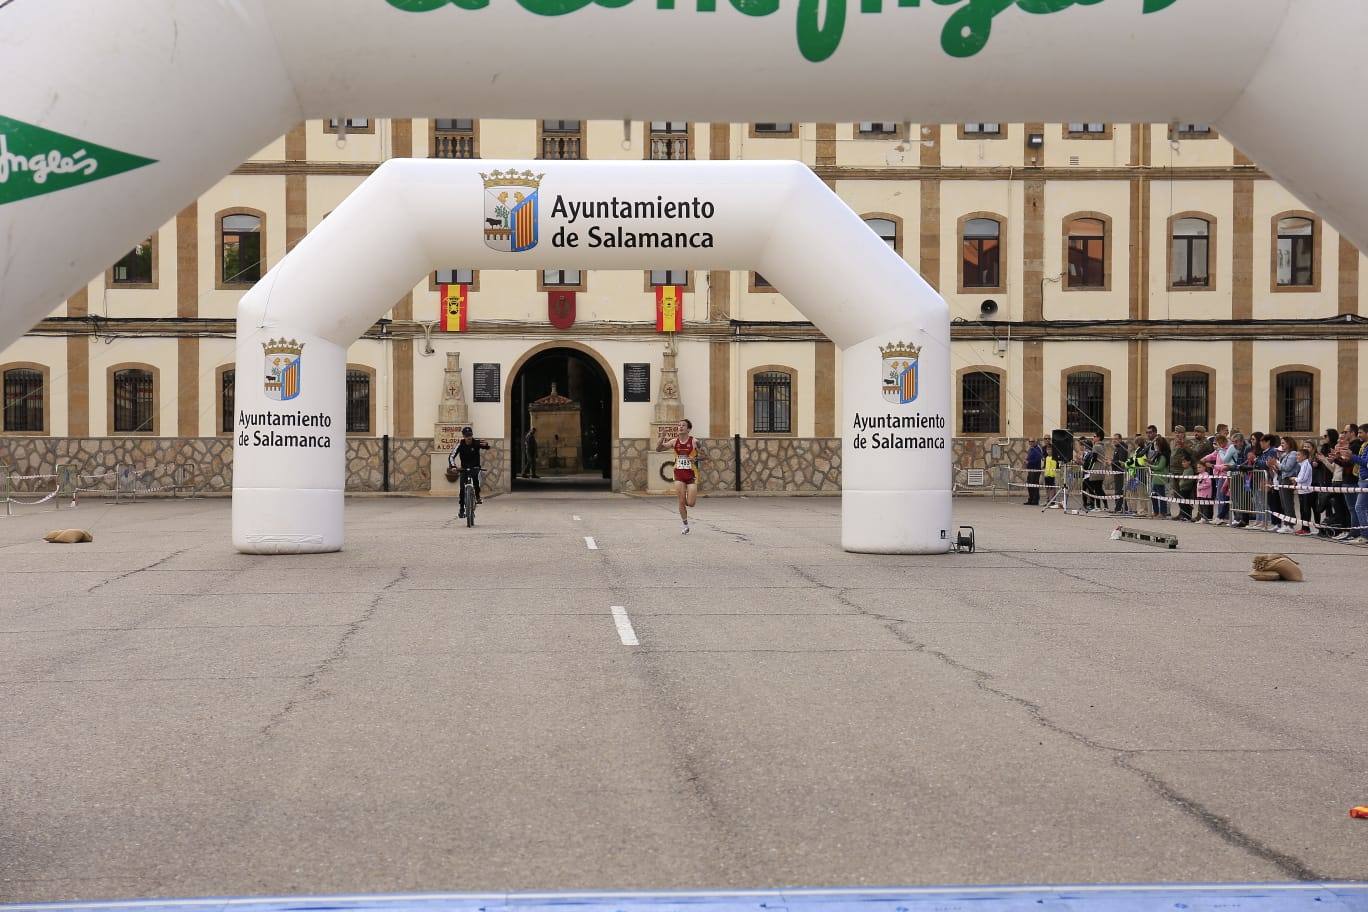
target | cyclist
[
  {"x": 687, "y": 455},
  {"x": 466, "y": 454}
]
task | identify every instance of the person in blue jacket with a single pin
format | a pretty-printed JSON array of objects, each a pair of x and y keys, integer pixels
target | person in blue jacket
[{"x": 1035, "y": 461}]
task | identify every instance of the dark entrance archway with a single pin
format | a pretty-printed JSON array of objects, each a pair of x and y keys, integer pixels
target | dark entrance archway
[{"x": 569, "y": 396}]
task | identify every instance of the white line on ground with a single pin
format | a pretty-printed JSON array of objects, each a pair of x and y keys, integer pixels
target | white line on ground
[
  {"x": 575, "y": 517},
  {"x": 590, "y": 543},
  {"x": 624, "y": 626}
]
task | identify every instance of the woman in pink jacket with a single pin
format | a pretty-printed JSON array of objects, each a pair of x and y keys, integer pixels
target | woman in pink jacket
[{"x": 1220, "y": 469}]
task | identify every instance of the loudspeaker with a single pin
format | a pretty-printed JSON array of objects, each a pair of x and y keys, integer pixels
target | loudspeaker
[
  {"x": 988, "y": 308},
  {"x": 1062, "y": 442}
]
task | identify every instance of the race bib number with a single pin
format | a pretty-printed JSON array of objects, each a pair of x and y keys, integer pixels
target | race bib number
[{"x": 683, "y": 462}]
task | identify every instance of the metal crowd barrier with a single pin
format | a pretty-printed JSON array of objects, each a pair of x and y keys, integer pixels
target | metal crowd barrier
[
  {"x": 1243, "y": 499},
  {"x": 125, "y": 483}
]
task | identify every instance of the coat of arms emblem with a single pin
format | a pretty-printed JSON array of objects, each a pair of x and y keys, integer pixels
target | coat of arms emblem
[
  {"x": 900, "y": 372},
  {"x": 283, "y": 358},
  {"x": 510, "y": 209}
]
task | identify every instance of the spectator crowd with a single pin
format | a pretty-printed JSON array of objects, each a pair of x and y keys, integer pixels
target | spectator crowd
[{"x": 1269, "y": 482}]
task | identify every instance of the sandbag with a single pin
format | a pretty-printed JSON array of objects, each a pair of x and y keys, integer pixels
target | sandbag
[
  {"x": 68, "y": 536},
  {"x": 1264, "y": 576},
  {"x": 1281, "y": 564}
]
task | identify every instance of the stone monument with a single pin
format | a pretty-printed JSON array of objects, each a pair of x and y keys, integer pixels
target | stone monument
[
  {"x": 669, "y": 411},
  {"x": 453, "y": 413},
  {"x": 557, "y": 420}
]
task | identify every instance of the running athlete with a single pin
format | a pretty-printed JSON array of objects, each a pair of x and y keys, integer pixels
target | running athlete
[
  {"x": 466, "y": 452},
  {"x": 687, "y": 455}
]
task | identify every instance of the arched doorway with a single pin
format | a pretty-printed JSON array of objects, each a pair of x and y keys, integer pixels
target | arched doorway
[{"x": 569, "y": 396}]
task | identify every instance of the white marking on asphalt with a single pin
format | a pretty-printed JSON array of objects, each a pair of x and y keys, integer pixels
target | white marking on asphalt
[
  {"x": 575, "y": 517},
  {"x": 590, "y": 543},
  {"x": 624, "y": 626}
]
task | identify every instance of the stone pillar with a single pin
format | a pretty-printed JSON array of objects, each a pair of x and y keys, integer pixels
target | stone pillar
[
  {"x": 453, "y": 413},
  {"x": 669, "y": 411}
]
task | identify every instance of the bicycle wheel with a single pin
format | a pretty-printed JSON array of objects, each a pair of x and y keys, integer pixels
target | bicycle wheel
[{"x": 469, "y": 494}]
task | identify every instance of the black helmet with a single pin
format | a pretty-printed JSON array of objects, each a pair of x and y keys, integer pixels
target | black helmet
[{"x": 466, "y": 431}]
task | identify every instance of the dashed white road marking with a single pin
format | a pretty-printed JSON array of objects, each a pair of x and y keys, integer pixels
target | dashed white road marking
[
  {"x": 575, "y": 517},
  {"x": 590, "y": 543},
  {"x": 624, "y": 626}
]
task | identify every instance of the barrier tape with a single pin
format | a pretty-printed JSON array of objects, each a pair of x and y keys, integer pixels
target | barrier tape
[
  {"x": 1321, "y": 489},
  {"x": 33, "y": 503},
  {"x": 1075, "y": 469},
  {"x": 1309, "y": 522}
]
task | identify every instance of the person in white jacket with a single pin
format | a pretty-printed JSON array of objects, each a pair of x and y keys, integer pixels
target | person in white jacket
[{"x": 1303, "y": 502}]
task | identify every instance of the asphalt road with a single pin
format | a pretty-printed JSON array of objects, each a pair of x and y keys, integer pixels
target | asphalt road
[{"x": 441, "y": 708}]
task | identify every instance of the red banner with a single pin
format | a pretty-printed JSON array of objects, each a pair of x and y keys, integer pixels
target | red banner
[
  {"x": 560, "y": 308},
  {"x": 669, "y": 308},
  {"x": 454, "y": 307}
]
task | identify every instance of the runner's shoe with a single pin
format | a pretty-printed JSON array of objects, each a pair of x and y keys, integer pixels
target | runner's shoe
[{"x": 685, "y": 530}]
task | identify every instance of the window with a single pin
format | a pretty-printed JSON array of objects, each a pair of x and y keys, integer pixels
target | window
[
  {"x": 1295, "y": 402},
  {"x": 133, "y": 401},
  {"x": 760, "y": 283},
  {"x": 561, "y": 139},
  {"x": 354, "y": 125},
  {"x": 1296, "y": 253},
  {"x": 982, "y": 253},
  {"x": 982, "y": 129},
  {"x": 227, "y": 394},
  {"x": 1087, "y": 250},
  {"x": 877, "y": 128},
  {"x": 1190, "y": 392},
  {"x": 1088, "y": 129},
  {"x": 358, "y": 402},
  {"x": 669, "y": 277},
  {"x": 669, "y": 140},
  {"x": 885, "y": 228},
  {"x": 453, "y": 138},
  {"x": 24, "y": 400},
  {"x": 1196, "y": 131},
  {"x": 454, "y": 277},
  {"x": 1191, "y": 256},
  {"x": 1084, "y": 402},
  {"x": 980, "y": 403},
  {"x": 561, "y": 277},
  {"x": 240, "y": 243},
  {"x": 772, "y": 398},
  {"x": 136, "y": 268},
  {"x": 773, "y": 129}
]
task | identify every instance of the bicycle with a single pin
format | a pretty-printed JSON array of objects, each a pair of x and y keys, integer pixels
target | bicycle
[{"x": 468, "y": 498}]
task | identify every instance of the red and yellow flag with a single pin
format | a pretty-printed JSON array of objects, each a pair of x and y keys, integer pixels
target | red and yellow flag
[
  {"x": 455, "y": 304},
  {"x": 669, "y": 308}
]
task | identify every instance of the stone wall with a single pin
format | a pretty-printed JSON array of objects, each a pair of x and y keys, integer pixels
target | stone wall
[
  {"x": 794, "y": 465},
  {"x": 151, "y": 463},
  {"x": 410, "y": 467},
  {"x": 629, "y": 465},
  {"x": 797, "y": 465}
]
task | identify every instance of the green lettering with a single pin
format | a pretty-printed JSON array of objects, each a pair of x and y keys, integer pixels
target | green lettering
[
  {"x": 756, "y": 7},
  {"x": 561, "y": 7},
  {"x": 424, "y": 6},
  {"x": 817, "y": 40},
  {"x": 965, "y": 34}
]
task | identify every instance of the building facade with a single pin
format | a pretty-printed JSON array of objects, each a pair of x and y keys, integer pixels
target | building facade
[{"x": 1102, "y": 277}]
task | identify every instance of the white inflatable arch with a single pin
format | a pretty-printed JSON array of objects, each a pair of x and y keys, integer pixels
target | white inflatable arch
[
  {"x": 115, "y": 115},
  {"x": 416, "y": 215}
]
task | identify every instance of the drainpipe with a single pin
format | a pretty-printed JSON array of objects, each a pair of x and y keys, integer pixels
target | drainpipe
[
  {"x": 736, "y": 452},
  {"x": 385, "y": 462}
]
